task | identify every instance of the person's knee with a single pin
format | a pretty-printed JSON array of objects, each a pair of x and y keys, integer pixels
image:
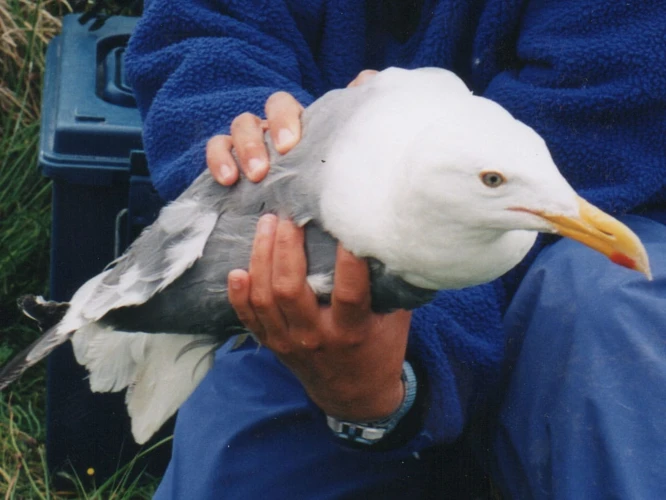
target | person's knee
[
  {"x": 588, "y": 372},
  {"x": 570, "y": 287}
]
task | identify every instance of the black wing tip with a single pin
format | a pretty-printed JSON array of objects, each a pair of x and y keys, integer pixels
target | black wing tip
[
  {"x": 46, "y": 313},
  {"x": 26, "y": 301}
]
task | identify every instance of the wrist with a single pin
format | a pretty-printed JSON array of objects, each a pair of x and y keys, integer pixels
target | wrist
[
  {"x": 370, "y": 432},
  {"x": 361, "y": 403}
]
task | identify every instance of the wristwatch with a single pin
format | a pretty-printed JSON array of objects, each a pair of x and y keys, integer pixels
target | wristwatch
[{"x": 369, "y": 433}]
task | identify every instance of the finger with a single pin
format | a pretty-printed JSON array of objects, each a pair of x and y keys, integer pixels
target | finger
[
  {"x": 261, "y": 271},
  {"x": 248, "y": 139},
  {"x": 283, "y": 113},
  {"x": 290, "y": 287},
  {"x": 350, "y": 300},
  {"x": 220, "y": 161},
  {"x": 238, "y": 290},
  {"x": 362, "y": 77}
]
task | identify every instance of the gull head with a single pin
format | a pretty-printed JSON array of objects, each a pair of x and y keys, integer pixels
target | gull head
[
  {"x": 448, "y": 189},
  {"x": 489, "y": 173}
]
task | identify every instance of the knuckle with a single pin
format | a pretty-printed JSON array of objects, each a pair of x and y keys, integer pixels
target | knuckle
[
  {"x": 348, "y": 296},
  {"x": 362, "y": 77},
  {"x": 367, "y": 72},
  {"x": 274, "y": 98},
  {"x": 286, "y": 289},
  {"x": 212, "y": 143},
  {"x": 235, "y": 123},
  {"x": 248, "y": 118},
  {"x": 244, "y": 121},
  {"x": 282, "y": 107},
  {"x": 252, "y": 146},
  {"x": 217, "y": 146},
  {"x": 261, "y": 301},
  {"x": 278, "y": 98}
]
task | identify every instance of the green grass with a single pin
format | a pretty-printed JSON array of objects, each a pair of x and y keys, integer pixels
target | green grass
[{"x": 26, "y": 26}]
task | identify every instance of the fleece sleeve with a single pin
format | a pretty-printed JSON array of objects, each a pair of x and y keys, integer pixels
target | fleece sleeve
[
  {"x": 195, "y": 65},
  {"x": 590, "y": 77}
]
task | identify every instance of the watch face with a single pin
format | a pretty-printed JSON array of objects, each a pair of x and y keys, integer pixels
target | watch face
[{"x": 358, "y": 433}]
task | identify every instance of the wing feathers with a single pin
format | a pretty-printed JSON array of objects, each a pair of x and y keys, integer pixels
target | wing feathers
[
  {"x": 110, "y": 356},
  {"x": 160, "y": 371},
  {"x": 30, "y": 356},
  {"x": 161, "y": 255},
  {"x": 157, "y": 392}
]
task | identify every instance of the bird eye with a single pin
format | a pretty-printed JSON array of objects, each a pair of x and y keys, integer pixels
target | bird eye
[{"x": 492, "y": 179}]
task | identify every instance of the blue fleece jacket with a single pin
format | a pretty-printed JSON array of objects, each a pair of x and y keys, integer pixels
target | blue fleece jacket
[{"x": 588, "y": 75}]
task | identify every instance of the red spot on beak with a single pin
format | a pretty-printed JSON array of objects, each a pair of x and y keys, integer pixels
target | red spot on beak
[{"x": 622, "y": 260}]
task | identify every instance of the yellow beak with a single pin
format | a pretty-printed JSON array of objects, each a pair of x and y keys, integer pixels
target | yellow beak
[{"x": 603, "y": 233}]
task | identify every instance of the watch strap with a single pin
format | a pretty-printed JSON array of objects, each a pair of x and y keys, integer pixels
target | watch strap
[{"x": 369, "y": 433}]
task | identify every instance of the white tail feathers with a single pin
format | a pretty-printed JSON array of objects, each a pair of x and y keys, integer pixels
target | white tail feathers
[
  {"x": 160, "y": 371},
  {"x": 111, "y": 357}
]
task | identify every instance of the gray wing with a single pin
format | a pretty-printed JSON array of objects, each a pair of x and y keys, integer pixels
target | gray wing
[
  {"x": 195, "y": 300},
  {"x": 176, "y": 241},
  {"x": 156, "y": 259}
]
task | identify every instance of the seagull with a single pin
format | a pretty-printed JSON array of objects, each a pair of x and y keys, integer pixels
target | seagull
[{"x": 436, "y": 187}]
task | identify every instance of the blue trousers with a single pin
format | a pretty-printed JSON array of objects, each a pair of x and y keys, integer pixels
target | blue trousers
[{"x": 582, "y": 415}]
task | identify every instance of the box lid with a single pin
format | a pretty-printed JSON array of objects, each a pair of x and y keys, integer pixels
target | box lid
[{"x": 90, "y": 123}]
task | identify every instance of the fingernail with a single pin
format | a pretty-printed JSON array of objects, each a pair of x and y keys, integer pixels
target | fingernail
[
  {"x": 266, "y": 224},
  {"x": 285, "y": 137},
  {"x": 235, "y": 283},
  {"x": 256, "y": 166},
  {"x": 226, "y": 172}
]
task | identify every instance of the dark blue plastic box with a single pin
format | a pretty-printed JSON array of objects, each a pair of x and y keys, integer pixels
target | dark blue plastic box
[{"x": 90, "y": 147}]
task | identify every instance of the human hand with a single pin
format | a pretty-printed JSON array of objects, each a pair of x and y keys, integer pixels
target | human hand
[
  {"x": 348, "y": 358},
  {"x": 283, "y": 113}
]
